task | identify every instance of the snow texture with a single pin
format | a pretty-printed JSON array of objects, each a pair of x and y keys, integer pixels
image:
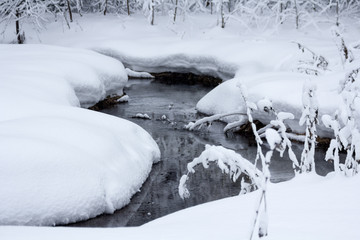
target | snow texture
[
  {"x": 135, "y": 74},
  {"x": 221, "y": 219},
  {"x": 61, "y": 163},
  {"x": 308, "y": 207},
  {"x": 272, "y": 137},
  {"x": 142, "y": 116},
  {"x": 259, "y": 61}
]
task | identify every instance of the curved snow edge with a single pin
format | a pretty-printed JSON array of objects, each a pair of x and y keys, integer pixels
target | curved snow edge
[
  {"x": 182, "y": 63},
  {"x": 61, "y": 163}
]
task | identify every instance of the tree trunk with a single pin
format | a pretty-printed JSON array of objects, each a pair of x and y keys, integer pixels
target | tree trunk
[
  {"x": 337, "y": 13},
  {"x": 222, "y": 15},
  {"x": 152, "y": 12},
  {"x": 17, "y": 25},
  {"x": 296, "y": 15},
  {"x": 106, "y": 5},
  {"x": 128, "y": 7},
  {"x": 281, "y": 13},
  {"x": 69, "y": 9},
  {"x": 176, "y": 7}
]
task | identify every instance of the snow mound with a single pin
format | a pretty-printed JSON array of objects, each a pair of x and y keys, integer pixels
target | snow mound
[
  {"x": 91, "y": 75},
  {"x": 284, "y": 89},
  {"x": 61, "y": 163},
  {"x": 178, "y": 62}
]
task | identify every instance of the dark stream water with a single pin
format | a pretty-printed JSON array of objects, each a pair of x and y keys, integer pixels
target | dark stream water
[{"x": 159, "y": 194}]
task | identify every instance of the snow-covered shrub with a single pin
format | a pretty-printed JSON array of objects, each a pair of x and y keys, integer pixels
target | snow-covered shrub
[
  {"x": 236, "y": 164},
  {"x": 345, "y": 53},
  {"x": 229, "y": 162},
  {"x": 346, "y": 126},
  {"x": 261, "y": 218},
  {"x": 315, "y": 66},
  {"x": 335, "y": 144},
  {"x": 285, "y": 143},
  {"x": 309, "y": 117},
  {"x": 349, "y": 134},
  {"x": 233, "y": 164}
]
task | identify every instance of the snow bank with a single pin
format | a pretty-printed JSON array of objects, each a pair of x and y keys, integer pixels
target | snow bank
[
  {"x": 266, "y": 65},
  {"x": 179, "y": 62},
  {"x": 262, "y": 61},
  {"x": 91, "y": 75},
  {"x": 308, "y": 207},
  {"x": 60, "y": 163},
  {"x": 284, "y": 89}
]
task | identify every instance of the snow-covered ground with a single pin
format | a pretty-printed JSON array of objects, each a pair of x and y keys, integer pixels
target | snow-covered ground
[
  {"x": 308, "y": 207},
  {"x": 61, "y": 163},
  {"x": 261, "y": 60}
]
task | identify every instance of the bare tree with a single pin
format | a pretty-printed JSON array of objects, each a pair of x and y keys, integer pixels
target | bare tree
[{"x": 18, "y": 11}]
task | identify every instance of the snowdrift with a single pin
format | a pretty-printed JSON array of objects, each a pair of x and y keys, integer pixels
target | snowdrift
[
  {"x": 61, "y": 163},
  {"x": 267, "y": 68}
]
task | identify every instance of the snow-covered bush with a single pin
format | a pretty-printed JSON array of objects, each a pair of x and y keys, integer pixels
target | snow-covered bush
[
  {"x": 345, "y": 53},
  {"x": 229, "y": 162},
  {"x": 315, "y": 66},
  {"x": 233, "y": 164},
  {"x": 261, "y": 218},
  {"x": 309, "y": 117},
  {"x": 335, "y": 144},
  {"x": 346, "y": 126}
]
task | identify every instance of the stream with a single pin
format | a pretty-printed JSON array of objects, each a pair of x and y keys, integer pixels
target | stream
[{"x": 159, "y": 194}]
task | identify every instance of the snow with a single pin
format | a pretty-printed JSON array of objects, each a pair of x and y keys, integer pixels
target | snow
[
  {"x": 264, "y": 105},
  {"x": 285, "y": 95},
  {"x": 308, "y": 207},
  {"x": 92, "y": 76},
  {"x": 61, "y": 163},
  {"x": 142, "y": 116},
  {"x": 272, "y": 137},
  {"x": 135, "y": 74},
  {"x": 260, "y": 61},
  {"x": 322, "y": 214},
  {"x": 124, "y": 98}
]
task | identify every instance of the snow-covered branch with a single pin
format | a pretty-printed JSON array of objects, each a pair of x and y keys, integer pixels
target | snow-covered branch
[
  {"x": 229, "y": 162},
  {"x": 209, "y": 120},
  {"x": 317, "y": 64},
  {"x": 310, "y": 119}
]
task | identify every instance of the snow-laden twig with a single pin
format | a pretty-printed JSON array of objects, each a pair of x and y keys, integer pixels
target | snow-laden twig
[
  {"x": 261, "y": 218},
  {"x": 229, "y": 162},
  {"x": 316, "y": 65},
  {"x": 345, "y": 53},
  {"x": 209, "y": 120},
  {"x": 335, "y": 144},
  {"x": 310, "y": 119},
  {"x": 349, "y": 135},
  {"x": 285, "y": 143},
  {"x": 346, "y": 132}
]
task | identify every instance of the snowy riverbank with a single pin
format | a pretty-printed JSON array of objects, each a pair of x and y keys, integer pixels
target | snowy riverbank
[
  {"x": 308, "y": 207},
  {"x": 259, "y": 60},
  {"x": 61, "y": 163}
]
